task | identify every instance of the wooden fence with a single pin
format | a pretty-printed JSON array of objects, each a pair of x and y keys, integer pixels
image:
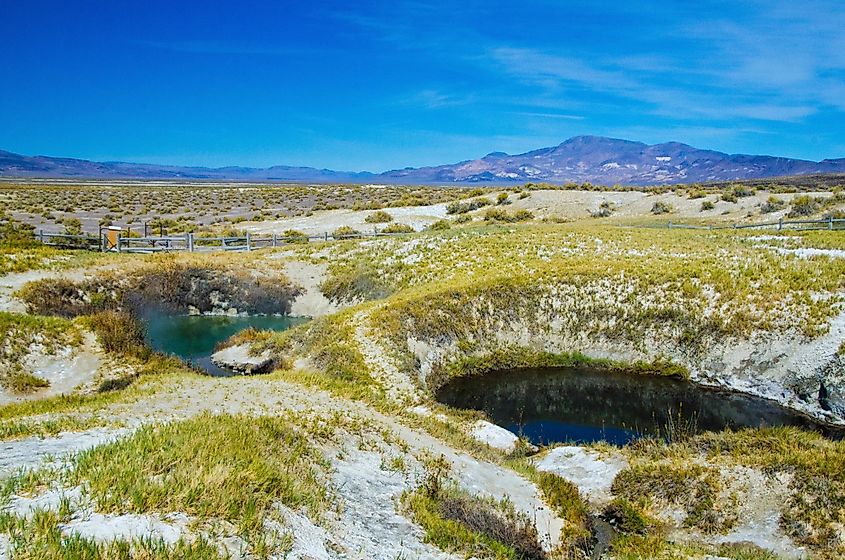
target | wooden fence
[
  {"x": 186, "y": 242},
  {"x": 800, "y": 225},
  {"x": 65, "y": 241},
  {"x": 192, "y": 243}
]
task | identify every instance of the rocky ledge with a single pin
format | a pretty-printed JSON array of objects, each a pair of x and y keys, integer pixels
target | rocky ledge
[{"x": 239, "y": 359}]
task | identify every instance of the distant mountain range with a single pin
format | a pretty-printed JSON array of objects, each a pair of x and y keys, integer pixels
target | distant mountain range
[{"x": 580, "y": 159}]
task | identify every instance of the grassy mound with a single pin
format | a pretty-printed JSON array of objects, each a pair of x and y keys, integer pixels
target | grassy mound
[{"x": 232, "y": 468}]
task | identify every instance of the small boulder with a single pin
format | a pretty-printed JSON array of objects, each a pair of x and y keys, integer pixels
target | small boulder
[
  {"x": 420, "y": 410},
  {"x": 238, "y": 358},
  {"x": 494, "y": 436}
]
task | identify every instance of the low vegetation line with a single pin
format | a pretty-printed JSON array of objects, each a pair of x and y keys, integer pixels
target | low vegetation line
[
  {"x": 829, "y": 223},
  {"x": 520, "y": 358}
]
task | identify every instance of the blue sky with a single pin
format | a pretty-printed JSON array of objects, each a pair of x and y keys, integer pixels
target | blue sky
[{"x": 379, "y": 85}]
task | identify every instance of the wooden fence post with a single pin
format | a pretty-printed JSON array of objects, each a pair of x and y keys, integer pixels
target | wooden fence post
[
  {"x": 780, "y": 223},
  {"x": 248, "y": 242},
  {"x": 119, "y": 242},
  {"x": 670, "y": 224},
  {"x": 189, "y": 241},
  {"x": 830, "y": 222},
  {"x": 274, "y": 239}
]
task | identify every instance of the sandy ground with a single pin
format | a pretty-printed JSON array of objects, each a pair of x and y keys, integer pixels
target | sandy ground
[
  {"x": 592, "y": 473},
  {"x": 760, "y": 498},
  {"x": 312, "y": 302},
  {"x": 569, "y": 205},
  {"x": 579, "y": 204},
  {"x": 68, "y": 368},
  {"x": 327, "y": 221},
  {"x": 31, "y": 452}
]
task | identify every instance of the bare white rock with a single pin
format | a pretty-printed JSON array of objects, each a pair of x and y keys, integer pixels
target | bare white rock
[
  {"x": 760, "y": 498},
  {"x": 591, "y": 472},
  {"x": 239, "y": 359},
  {"x": 50, "y": 500},
  {"x": 494, "y": 436},
  {"x": 30, "y": 452},
  {"x": 107, "y": 527},
  {"x": 98, "y": 526},
  {"x": 371, "y": 526},
  {"x": 5, "y": 547},
  {"x": 422, "y": 410},
  {"x": 309, "y": 540}
]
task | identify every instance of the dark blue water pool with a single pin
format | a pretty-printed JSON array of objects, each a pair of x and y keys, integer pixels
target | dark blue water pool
[{"x": 583, "y": 405}]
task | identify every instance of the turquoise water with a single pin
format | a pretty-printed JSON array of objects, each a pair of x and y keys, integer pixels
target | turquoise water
[{"x": 193, "y": 337}]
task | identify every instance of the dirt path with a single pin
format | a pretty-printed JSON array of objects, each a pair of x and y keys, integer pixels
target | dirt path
[
  {"x": 312, "y": 302},
  {"x": 381, "y": 366},
  {"x": 368, "y": 493}
]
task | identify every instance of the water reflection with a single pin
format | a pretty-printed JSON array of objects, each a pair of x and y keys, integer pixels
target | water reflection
[
  {"x": 584, "y": 405},
  {"x": 193, "y": 337}
]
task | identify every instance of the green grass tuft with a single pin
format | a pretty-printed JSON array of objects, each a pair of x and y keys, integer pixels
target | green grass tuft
[
  {"x": 23, "y": 382},
  {"x": 40, "y": 537},
  {"x": 336, "y": 362},
  {"x": 694, "y": 488},
  {"x": 227, "y": 467},
  {"x": 459, "y": 523},
  {"x": 565, "y": 499},
  {"x": 121, "y": 333}
]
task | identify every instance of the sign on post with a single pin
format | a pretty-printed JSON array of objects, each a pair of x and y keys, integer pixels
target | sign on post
[{"x": 112, "y": 238}]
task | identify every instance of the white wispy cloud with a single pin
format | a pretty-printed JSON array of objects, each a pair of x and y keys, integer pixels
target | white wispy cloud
[
  {"x": 436, "y": 99},
  {"x": 781, "y": 62},
  {"x": 562, "y": 116}
]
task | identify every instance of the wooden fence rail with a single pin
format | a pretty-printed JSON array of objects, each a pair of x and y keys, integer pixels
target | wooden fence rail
[
  {"x": 66, "y": 241},
  {"x": 827, "y": 223},
  {"x": 187, "y": 242},
  {"x": 190, "y": 242}
]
